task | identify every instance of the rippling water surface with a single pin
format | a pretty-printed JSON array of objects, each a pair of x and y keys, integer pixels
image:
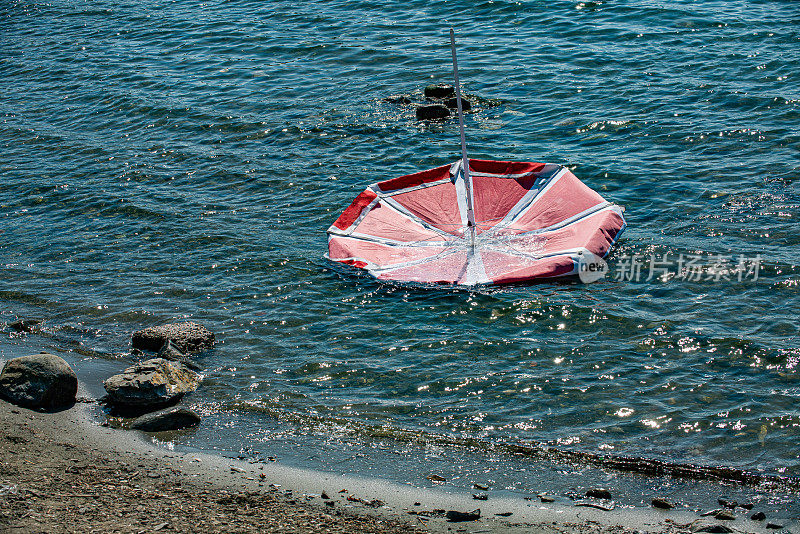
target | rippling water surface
[{"x": 176, "y": 159}]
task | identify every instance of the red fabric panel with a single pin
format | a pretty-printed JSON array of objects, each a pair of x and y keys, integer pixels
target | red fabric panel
[
  {"x": 352, "y": 212},
  {"x": 504, "y": 167},
  {"x": 445, "y": 270},
  {"x": 494, "y": 197},
  {"x": 418, "y": 178},
  {"x": 341, "y": 248},
  {"x": 383, "y": 221},
  {"x": 516, "y": 269},
  {"x": 595, "y": 233},
  {"x": 566, "y": 198},
  {"x": 435, "y": 205}
]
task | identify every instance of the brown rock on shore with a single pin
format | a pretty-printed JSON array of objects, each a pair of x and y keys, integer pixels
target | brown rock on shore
[
  {"x": 150, "y": 384},
  {"x": 191, "y": 337}
]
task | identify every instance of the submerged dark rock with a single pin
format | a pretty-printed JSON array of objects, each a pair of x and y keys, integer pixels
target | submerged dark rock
[
  {"x": 452, "y": 103},
  {"x": 398, "y": 99},
  {"x": 169, "y": 419},
  {"x": 26, "y": 325},
  {"x": 598, "y": 493},
  {"x": 41, "y": 381},
  {"x": 150, "y": 384},
  {"x": 439, "y": 91},
  {"x": 663, "y": 504},
  {"x": 191, "y": 337},
  {"x": 432, "y": 112}
]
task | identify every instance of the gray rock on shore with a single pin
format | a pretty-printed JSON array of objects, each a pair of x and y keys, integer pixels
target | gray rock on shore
[
  {"x": 169, "y": 419},
  {"x": 150, "y": 384},
  {"x": 39, "y": 381},
  {"x": 191, "y": 337}
]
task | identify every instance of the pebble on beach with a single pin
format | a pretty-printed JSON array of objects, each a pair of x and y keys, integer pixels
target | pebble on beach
[
  {"x": 150, "y": 384},
  {"x": 191, "y": 337},
  {"x": 455, "y": 516},
  {"x": 40, "y": 381},
  {"x": 175, "y": 418}
]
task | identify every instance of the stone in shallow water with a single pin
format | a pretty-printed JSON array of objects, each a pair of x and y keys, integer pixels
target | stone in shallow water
[
  {"x": 26, "y": 325},
  {"x": 150, "y": 384},
  {"x": 41, "y": 381},
  {"x": 432, "y": 112},
  {"x": 169, "y": 419},
  {"x": 663, "y": 504},
  {"x": 439, "y": 91},
  {"x": 598, "y": 493},
  {"x": 190, "y": 336},
  {"x": 452, "y": 103}
]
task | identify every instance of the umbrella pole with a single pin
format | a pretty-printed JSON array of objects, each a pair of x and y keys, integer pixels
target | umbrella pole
[{"x": 464, "y": 159}]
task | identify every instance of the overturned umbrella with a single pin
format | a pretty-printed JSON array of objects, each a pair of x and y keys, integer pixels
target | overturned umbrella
[{"x": 476, "y": 222}]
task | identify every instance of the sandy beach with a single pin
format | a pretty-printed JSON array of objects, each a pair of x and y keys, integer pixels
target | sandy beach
[{"x": 64, "y": 472}]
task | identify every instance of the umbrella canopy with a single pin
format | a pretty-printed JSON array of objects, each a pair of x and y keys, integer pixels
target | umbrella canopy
[{"x": 531, "y": 221}]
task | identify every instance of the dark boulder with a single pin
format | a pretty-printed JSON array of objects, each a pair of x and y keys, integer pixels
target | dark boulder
[
  {"x": 439, "y": 91},
  {"x": 432, "y": 112},
  {"x": 192, "y": 337},
  {"x": 169, "y": 419},
  {"x": 41, "y": 381},
  {"x": 150, "y": 384},
  {"x": 452, "y": 103}
]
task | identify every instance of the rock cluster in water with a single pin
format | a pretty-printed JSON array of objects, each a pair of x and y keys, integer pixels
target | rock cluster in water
[{"x": 440, "y": 100}]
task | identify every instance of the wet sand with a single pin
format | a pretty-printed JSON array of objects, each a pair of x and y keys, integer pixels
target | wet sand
[{"x": 63, "y": 472}]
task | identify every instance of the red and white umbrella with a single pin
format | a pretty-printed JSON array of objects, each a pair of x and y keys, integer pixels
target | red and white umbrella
[{"x": 482, "y": 222}]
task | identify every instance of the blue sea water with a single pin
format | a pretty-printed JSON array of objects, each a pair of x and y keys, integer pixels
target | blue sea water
[{"x": 171, "y": 160}]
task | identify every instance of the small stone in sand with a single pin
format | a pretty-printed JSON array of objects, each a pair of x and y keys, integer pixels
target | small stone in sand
[
  {"x": 758, "y": 516},
  {"x": 775, "y": 526},
  {"x": 480, "y": 496},
  {"x": 724, "y": 515},
  {"x": 455, "y": 516}
]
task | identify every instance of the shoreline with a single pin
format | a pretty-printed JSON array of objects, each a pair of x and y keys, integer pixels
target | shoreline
[{"x": 65, "y": 473}]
